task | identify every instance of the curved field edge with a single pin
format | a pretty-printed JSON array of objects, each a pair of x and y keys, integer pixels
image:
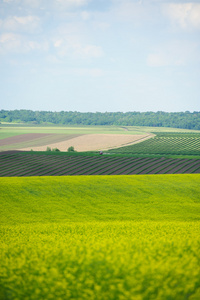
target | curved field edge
[
  {"x": 93, "y": 142},
  {"x": 100, "y": 198}
]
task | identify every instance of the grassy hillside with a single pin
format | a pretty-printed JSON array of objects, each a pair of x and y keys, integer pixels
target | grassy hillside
[
  {"x": 100, "y": 237},
  {"x": 89, "y": 198}
]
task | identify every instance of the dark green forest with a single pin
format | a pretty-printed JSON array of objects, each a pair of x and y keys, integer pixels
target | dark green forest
[{"x": 186, "y": 120}]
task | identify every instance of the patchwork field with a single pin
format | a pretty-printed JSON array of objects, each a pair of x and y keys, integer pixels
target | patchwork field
[
  {"x": 92, "y": 142},
  {"x": 82, "y": 139},
  {"x": 100, "y": 237},
  {"x": 44, "y": 164},
  {"x": 87, "y": 138}
]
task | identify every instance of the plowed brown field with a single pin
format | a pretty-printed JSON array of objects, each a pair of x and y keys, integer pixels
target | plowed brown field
[
  {"x": 22, "y": 138},
  {"x": 31, "y": 140},
  {"x": 93, "y": 142}
]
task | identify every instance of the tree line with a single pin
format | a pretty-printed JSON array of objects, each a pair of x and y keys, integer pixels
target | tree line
[{"x": 186, "y": 120}]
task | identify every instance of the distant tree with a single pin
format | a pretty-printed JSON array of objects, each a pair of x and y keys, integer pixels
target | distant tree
[
  {"x": 71, "y": 149},
  {"x": 48, "y": 149},
  {"x": 55, "y": 150}
]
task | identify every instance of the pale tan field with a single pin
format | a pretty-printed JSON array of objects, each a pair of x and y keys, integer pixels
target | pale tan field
[{"x": 93, "y": 142}]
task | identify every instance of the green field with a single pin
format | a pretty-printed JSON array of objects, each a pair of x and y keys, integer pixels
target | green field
[
  {"x": 165, "y": 143},
  {"x": 8, "y": 130},
  {"x": 100, "y": 237}
]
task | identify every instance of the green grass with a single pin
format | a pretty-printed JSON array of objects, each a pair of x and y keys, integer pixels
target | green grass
[
  {"x": 150, "y": 129},
  {"x": 110, "y": 154},
  {"x": 8, "y": 131},
  {"x": 100, "y": 198},
  {"x": 100, "y": 237}
]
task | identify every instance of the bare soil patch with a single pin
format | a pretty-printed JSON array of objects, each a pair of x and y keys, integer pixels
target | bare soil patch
[
  {"x": 10, "y": 152},
  {"x": 31, "y": 140},
  {"x": 22, "y": 138},
  {"x": 94, "y": 142}
]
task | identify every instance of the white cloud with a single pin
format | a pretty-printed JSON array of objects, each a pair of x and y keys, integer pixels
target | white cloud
[
  {"x": 128, "y": 9},
  {"x": 72, "y": 2},
  {"x": 85, "y": 15},
  {"x": 11, "y": 42},
  {"x": 93, "y": 72},
  {"x": 137, "y": 12},
  {"x": 156, "y": 60},
  {"x": 71, "y": 45},
  {"x": 53, "y": 59},
  {"x": 26, "y": 20},
  {"x": 47, "y": 4},
  {"x": 33, "y": 45},
  {"x": 178, "y": 53},
  {"x": 32, "y": 3},
  {"x": 58, "y": 43},
  {"x": 71, "y": 39},
  {"x": 163, "y": 59},
  {"x": 89, "y": 51},
  {"x": 68, "y": 4},
  {"x": 27, "y": 3},
  {"x": 101, "y": 25},
  {"x": 15, "y": 23},
  {"x": 186, "y": 15}
]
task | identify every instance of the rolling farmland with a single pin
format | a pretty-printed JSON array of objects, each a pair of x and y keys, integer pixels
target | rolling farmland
[
  {"x": 100, "y": 237},
  {"x": 82, "y": 138},
  {"x": 15, "y": 137},
  {"x": 65, "y": 235},
  {"x": 32, "y": 164}
]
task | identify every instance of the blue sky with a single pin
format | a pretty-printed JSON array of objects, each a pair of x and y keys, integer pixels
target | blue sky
[{"x": 100, "y": 55}]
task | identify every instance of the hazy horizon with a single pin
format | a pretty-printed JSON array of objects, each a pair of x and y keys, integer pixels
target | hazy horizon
[{"x": 93, "y": 112}]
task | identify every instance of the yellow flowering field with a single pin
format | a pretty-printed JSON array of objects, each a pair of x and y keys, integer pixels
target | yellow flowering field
[{"x": 93, "y": 237}]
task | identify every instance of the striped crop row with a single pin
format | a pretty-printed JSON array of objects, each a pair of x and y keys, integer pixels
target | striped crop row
[
  {"x": 165, "y": 144},
  {"x": 24, "y": 164}
]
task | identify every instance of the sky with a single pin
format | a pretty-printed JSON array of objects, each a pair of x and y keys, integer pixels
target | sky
[{"x": 100, "y": 55}]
